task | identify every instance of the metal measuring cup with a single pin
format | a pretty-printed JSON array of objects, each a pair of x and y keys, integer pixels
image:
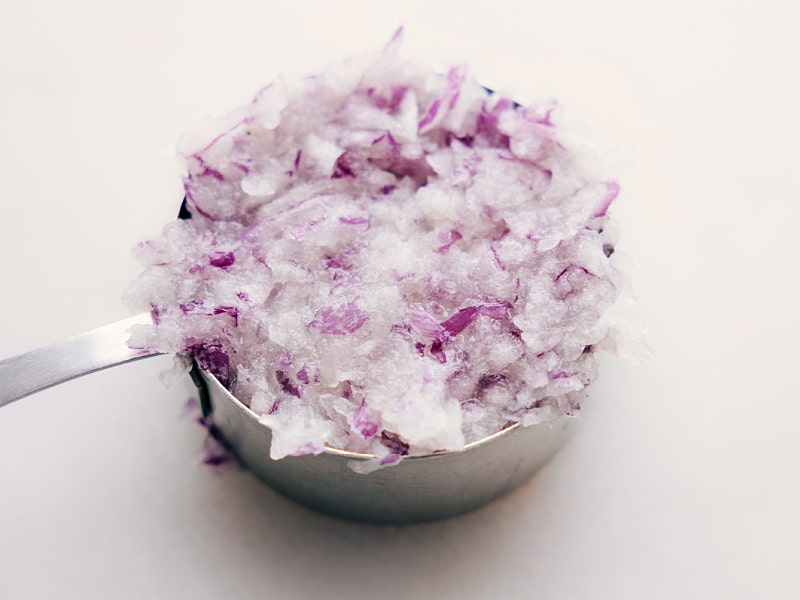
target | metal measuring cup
[{"x": 419, "y": 488}]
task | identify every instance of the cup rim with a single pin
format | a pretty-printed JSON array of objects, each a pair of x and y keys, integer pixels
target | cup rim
[{"x": 348, "y": 454}]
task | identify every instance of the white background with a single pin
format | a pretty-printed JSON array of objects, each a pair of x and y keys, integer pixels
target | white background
[{"x": 682, "y": 481}]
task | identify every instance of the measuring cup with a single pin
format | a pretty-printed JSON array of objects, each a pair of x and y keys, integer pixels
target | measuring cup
[{"x": 419, "y": 488}]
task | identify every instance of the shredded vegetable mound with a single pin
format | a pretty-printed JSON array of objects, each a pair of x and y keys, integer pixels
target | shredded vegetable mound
[{"x": 386, "y": 259}]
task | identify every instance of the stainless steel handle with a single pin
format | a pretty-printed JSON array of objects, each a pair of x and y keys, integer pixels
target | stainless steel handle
[{"x": 80, "y": 355}]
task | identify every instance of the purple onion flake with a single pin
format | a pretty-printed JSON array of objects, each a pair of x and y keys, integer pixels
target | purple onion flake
[
  {"x": 231, "y": 311},
  {"x": 360, "y": 223},
  {"x": 222, "y": 260},
  {"x": 212, "y": 358},
  {"x": 612, "y": 191},
  {"x": 448, "y": 238},
  {"x": 302, "y": 376},
  {"x": 394, "y": 443},
  {"x": 461, "y": 320},
  {"x": 364, "y": 421},
  {"x": 339, "y": 320}
]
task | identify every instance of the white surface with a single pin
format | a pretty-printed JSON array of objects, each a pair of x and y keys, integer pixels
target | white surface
[{"x": 683, "y": 481}]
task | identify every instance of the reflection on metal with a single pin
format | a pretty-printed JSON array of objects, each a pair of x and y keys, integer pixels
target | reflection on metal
[
  {"x": 421, "y": 488},
  {"x": 92, "y": 351}
]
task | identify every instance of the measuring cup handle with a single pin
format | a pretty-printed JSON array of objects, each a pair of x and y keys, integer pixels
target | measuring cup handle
[{"x": 86, "y": 353}]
